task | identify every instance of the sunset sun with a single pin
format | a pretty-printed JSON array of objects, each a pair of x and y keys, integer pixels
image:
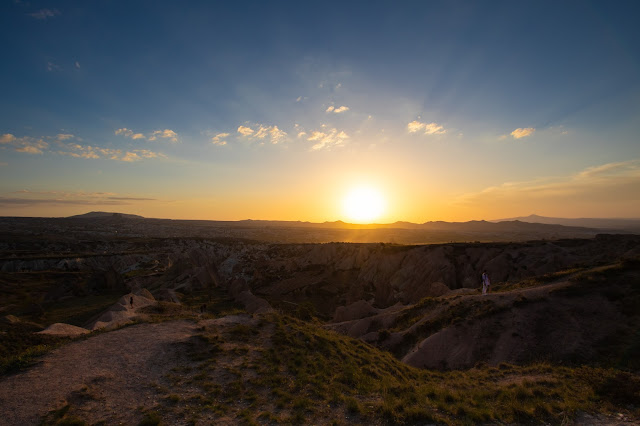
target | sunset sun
[{"x": 363, "y": 205}]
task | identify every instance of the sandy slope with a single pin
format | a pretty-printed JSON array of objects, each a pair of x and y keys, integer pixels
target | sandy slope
[{"x": 109, "y": 375}]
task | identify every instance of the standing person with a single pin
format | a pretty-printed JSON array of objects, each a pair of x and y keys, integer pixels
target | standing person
[{"x": 485, "y": 282}]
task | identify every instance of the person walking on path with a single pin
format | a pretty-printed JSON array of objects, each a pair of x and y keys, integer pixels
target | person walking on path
[{"x": 486, "y": 284}]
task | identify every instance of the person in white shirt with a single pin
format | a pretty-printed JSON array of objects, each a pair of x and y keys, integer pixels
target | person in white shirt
[{"x": 485, "y": 282}]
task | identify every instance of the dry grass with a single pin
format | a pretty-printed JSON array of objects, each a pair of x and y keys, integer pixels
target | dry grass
[{"x": 280, "y": 369}]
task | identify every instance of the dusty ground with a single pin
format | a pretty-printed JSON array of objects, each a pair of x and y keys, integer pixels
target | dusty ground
[{"x": 107, "y": 377}]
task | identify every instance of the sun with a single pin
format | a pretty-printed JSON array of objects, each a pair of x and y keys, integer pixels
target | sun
[{"x": 363, "y": 204}]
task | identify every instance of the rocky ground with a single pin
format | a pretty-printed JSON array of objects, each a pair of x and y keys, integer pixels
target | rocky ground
[{"x": 564, "y": 302}]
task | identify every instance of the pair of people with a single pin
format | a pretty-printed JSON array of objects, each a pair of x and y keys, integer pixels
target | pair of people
[{"x": 486, "y": 284}]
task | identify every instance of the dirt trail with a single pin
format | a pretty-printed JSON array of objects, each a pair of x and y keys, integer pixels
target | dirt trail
[
  {"x": 109, "y": 375},
  {"x": 543, "y": 288}
]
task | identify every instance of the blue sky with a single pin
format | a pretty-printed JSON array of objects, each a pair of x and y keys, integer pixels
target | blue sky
[{"x": 453, "y": 110}]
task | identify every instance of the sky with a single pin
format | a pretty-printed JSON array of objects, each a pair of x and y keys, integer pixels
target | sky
[{"x": 231, "y": 110}]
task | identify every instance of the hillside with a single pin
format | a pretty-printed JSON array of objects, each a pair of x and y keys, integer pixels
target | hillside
[
  {"x": 276, "y": 369},
  {"x": 233, "y": 330},
  {"x": 604, "y": 224},
  {"x": 103, "y": 215}
]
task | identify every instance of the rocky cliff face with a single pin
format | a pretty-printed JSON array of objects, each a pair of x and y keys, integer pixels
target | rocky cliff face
[
  {"x": 330, "y": 275},
  {"x": 339, "y": 274}
]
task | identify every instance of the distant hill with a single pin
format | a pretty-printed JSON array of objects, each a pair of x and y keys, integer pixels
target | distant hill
[
  {"x": 630, "y": 225},
  {"x": 102, "y": 215}
]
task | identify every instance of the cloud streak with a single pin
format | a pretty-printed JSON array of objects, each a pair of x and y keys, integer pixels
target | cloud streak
[
  {"x": 69, "y": 198},
  {"x": 44, "y": 14},
  {"x": 601, "y": 188}
]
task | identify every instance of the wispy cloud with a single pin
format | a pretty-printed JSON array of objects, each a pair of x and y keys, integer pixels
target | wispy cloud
[
  {"x": 28, "y": 197},
  {"x": 52, "y": 66},
  {"x": 24, "y": 144},
  {"x": 5, "y": 201},
  {"x": 94, "y": 152},
  {"x": 44, "y": 14},
  {"x": 165, "y": 134},
  {"x": 272, "y": 133},
  {"x": 327, "y": 138},
  {"x": 427, "y": 128},
  {"x": 77, "y": 65},
  {"x": 603, "y": 187},
  {"x": 72, "y": 149},
  {"x": 65, "y": 193},
  {"x": 219, "y": 139},
  {"x": 337, "y": 110},
  {"x": 610, "y": 169},
  {"x": 522, "y": 132},
  {"x": 131, "y": 199}
]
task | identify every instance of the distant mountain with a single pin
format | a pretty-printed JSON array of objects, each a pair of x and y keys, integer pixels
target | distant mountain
[
  {"x": 473, "y": 226},
  {"x": 105, "y": 215},
  {"x": 630, "y": 225}
]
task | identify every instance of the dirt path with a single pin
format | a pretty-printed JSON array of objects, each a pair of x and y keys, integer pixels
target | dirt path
[
  {"x": 109, "y": 376},
  {"x": 543, "y": 288}
]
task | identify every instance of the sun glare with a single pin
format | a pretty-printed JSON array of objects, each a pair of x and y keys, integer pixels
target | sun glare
[{"x": 363, "y": 205}]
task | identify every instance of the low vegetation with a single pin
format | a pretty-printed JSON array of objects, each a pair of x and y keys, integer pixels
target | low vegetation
[
  {"x": 287, "y": 369},
  {"x": 279, "y": 369}
]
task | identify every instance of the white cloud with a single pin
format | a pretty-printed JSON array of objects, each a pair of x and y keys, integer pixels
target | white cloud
[
  {"x": 522, "y": 132},
  {"x": 131, "y": 157},
  {"x": 7, "y": 138},
  {"x": 165, "y": 134},
  {"x": 245, "y": 131},
  {"x": 145, "y": 153},
  {"x": 327, "y": 139},
  {"x": 273, "y": 133},
  {"x": 219, "y": 139},
  {"x": 93, "y": 152},
  {"x": 72, "y": 149},
  {"x": 77, "y": 65},
  {"x": 52, "y": 66},
  {"x": 44, "y": 14},
  {"x": 428, "y": 128},
  {"x": 338, "y": 110},
  {"x": 130, "y": 134},
  {"x": 25, "y": 144}
]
